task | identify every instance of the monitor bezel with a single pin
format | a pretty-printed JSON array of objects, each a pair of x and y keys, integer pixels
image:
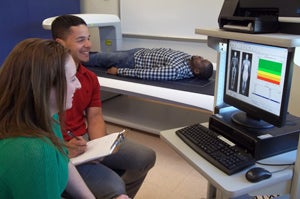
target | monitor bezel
[{"x": 253, "y": 111}]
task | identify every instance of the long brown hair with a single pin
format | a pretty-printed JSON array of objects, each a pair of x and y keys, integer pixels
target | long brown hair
[{"x": 27, "y": 75}]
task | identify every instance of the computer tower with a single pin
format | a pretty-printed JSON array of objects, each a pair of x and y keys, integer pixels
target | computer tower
[{"x": 261, "y": 143}]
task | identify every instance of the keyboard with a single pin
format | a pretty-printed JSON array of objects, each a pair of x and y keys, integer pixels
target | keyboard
[{"x": 216, "y": 149}]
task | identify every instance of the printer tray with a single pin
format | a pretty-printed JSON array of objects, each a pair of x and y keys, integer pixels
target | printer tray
[{"x": 265, "y": 24}]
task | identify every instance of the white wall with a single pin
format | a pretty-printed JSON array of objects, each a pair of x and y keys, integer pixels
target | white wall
[
  {"x": 193, "y": 48},
  {"x": 100, "y": 6},
  {"x": 112, "y": 7},
  {"x": 169, "y": 18}
]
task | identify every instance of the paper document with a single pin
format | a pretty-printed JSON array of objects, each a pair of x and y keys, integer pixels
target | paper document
[{"x": 100, "y": 147}]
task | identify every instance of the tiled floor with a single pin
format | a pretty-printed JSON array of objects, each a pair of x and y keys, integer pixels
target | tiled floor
[{"x": 172, "y": 177}]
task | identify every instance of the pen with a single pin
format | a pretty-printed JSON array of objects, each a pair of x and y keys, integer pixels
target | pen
[
  {"x": 119, "y": 139},
  {"x": 72, "y": 135}
]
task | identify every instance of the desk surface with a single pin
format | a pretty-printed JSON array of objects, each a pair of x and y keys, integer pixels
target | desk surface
[
  {"x": 234, "y": 185},
  {"x": 276, "y": 39}
]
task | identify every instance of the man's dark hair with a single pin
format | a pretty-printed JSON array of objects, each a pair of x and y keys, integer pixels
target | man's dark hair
[
  {"x": 60, "y": 27},
  {"x": 207, "y": 71}
]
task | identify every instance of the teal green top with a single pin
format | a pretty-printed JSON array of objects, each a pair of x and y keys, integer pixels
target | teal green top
[{"x": 32, "y": 168}]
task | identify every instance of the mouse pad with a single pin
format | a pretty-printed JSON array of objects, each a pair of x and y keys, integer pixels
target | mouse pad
[{"x": 194, "y": 85}]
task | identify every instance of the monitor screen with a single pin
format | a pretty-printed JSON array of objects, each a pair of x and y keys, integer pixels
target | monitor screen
[{"x": 257, "y": 82}]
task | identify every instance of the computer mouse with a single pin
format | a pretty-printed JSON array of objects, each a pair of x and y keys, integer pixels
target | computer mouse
[{"x": 257, "y": 174}]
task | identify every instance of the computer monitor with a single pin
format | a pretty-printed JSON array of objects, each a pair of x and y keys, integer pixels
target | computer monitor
[{"x": 257, "y": 82}]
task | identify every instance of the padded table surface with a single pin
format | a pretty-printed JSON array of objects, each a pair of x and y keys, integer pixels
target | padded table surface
[{"x": 194, "y": 85}]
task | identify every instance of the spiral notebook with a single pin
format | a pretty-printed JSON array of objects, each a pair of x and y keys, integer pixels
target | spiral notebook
[{"x": 100, "y": 147}]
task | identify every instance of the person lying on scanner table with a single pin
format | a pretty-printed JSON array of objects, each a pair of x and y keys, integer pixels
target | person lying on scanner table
[{"x": 152, "y": 64}]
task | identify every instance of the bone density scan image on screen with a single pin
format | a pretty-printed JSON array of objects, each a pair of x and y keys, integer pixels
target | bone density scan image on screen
[{"x": 258, "y": 79}]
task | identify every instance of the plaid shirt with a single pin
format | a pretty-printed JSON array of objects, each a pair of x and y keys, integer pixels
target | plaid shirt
[{"x": 159, "y": 64}]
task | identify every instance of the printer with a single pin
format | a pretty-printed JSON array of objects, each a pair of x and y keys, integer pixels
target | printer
[{"x": 260, "y": 16}]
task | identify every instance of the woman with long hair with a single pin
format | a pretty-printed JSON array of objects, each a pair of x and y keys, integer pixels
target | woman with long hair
[{"x": 37, "y": 80}]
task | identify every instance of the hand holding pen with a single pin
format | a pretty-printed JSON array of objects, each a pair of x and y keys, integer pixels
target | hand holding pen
[
  {"x": 76, "y": 146},
  {"x": 72, "y": 135}
]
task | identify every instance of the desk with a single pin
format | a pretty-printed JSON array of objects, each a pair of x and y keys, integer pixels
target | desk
[
  {"x": 224, "y": 186},
  {"x": 236, "y": 185}
]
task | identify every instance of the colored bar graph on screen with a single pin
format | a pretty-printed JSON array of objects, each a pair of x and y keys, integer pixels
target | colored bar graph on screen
[{"x": 269, "y": 71}]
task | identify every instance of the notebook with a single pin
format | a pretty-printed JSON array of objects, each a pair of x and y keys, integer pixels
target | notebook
[{"x": 101, "y": 147}]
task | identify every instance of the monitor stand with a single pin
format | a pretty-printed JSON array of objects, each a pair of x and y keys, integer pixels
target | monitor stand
[{"x": 242, "y": 118}]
